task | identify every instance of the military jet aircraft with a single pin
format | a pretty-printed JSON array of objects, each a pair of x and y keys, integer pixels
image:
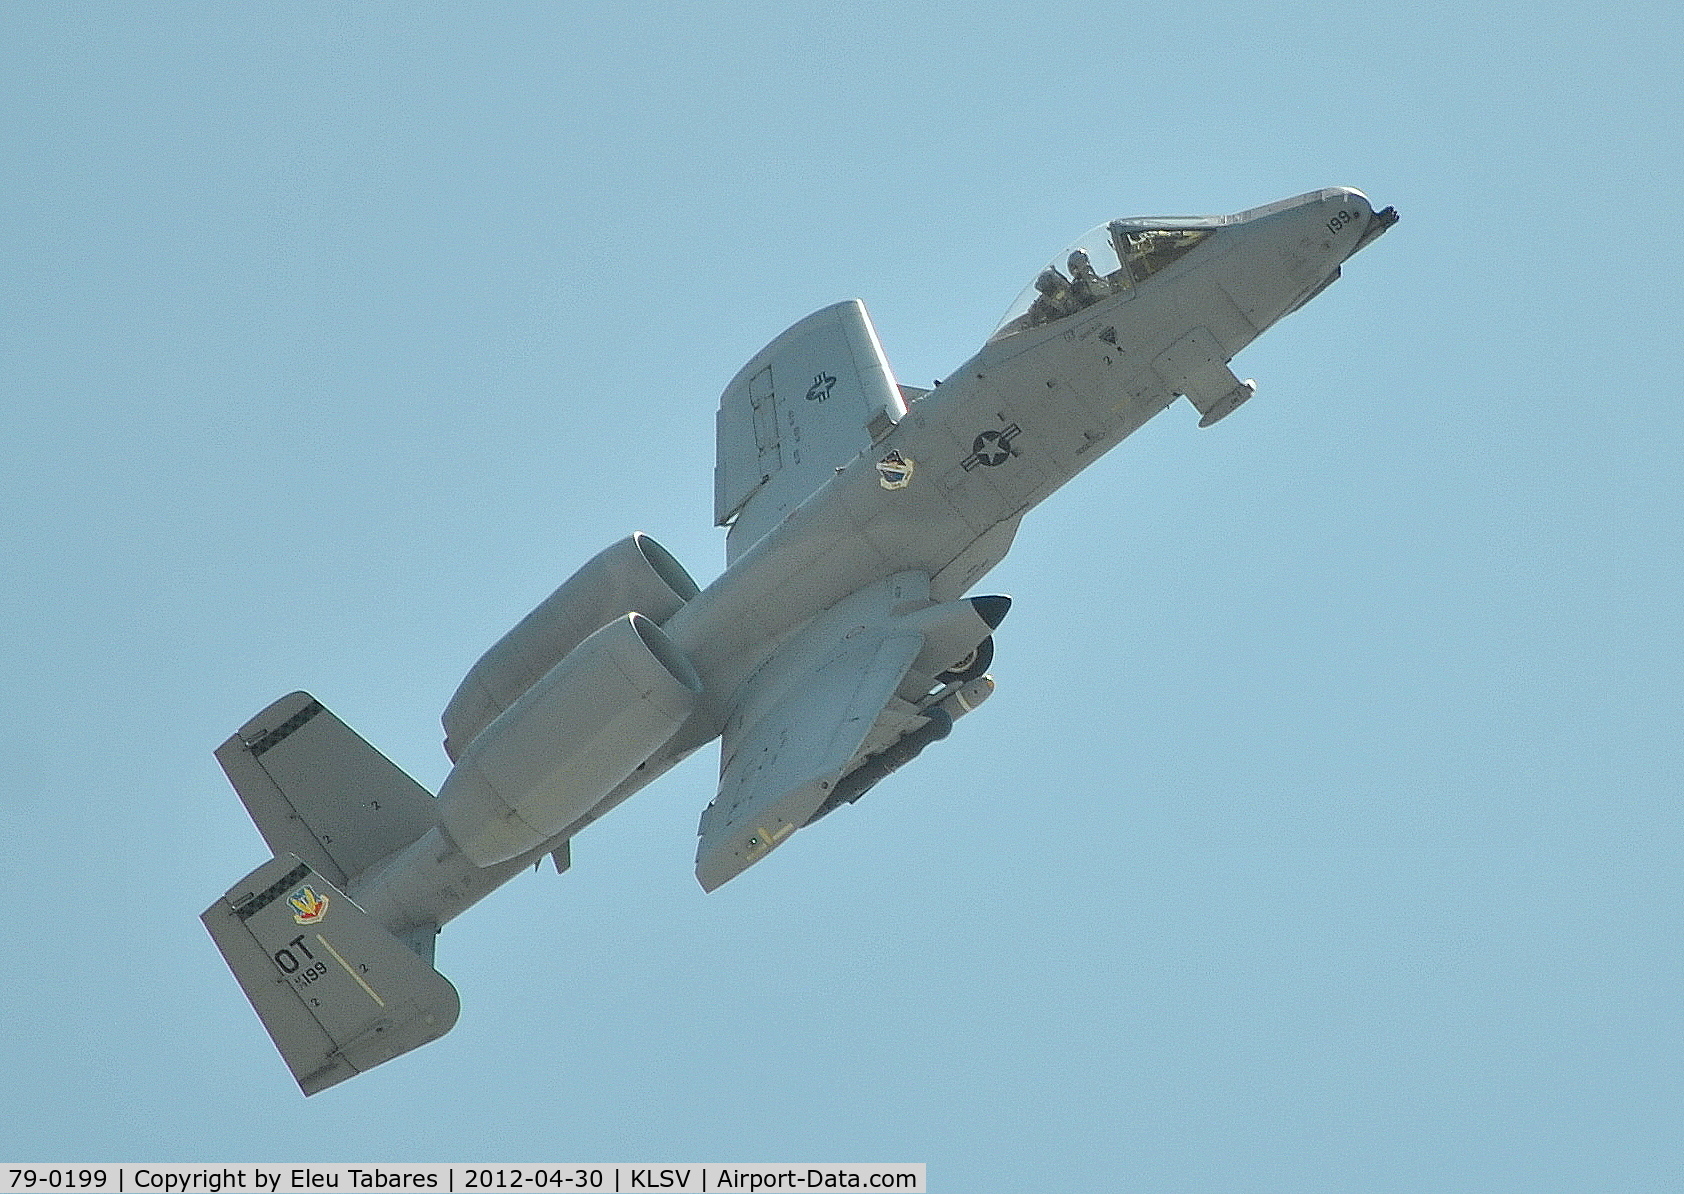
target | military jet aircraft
[{"x": 837, "y": 644}]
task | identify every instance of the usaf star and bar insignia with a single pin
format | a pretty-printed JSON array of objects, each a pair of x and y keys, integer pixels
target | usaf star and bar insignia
[{"x": 992, "y": 448}]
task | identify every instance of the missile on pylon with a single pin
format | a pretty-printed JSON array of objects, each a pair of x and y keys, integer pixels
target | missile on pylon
[{"x": 938, "y": 724}]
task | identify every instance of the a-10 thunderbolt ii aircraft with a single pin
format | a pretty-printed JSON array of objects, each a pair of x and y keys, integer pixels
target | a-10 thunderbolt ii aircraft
[{"x": 835, "y": 646}]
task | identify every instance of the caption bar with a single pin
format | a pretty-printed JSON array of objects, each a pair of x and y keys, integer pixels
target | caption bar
[{"x": 455, "y": 1179}]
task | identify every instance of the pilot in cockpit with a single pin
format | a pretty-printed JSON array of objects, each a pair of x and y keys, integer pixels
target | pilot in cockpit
[
  {"x": 1085, "y": 282},
  {"x": 1056, "y": 299}
]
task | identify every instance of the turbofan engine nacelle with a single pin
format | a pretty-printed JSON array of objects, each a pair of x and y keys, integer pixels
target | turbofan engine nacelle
[
  {"x": 634, "y": 574},
  {"x": 568, "y": 741}
]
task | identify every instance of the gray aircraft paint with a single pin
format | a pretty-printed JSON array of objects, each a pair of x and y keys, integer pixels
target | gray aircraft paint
[{"x": 860, "y": 512}]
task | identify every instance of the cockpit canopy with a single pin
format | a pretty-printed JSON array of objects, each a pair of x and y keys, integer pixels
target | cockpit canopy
[{"x": 1110, "y": 260}]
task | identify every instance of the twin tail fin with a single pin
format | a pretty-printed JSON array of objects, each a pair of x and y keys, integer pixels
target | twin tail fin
[{"x": 337, "y": 991}]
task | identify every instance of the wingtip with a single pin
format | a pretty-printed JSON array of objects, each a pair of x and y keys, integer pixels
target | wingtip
[{"x": 709, "y": 875}]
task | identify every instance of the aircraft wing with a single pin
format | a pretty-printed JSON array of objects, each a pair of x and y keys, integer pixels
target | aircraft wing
[
  {"x": 800, "y": 725},
  {"x": 808, "y": 403}
]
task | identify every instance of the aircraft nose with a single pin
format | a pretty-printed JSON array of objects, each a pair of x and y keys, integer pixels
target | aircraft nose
[
  {"x": 1348, "y": 196},
  {"x": 1349, "y": 221},
  {"x": 1294, "y": 249},
  {"x": 1342, "y": 208},
  {"x": 1327, "y": 226}
]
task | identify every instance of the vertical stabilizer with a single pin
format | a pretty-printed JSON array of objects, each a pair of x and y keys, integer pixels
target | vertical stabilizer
[
  {"x": 337, "y": 992},
  {"x": 317, "y": 790}
]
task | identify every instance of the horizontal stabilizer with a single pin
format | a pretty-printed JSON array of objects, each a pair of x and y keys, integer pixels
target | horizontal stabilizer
[
  {"x": 318, "y": 790},
  {"x": 336, "y": 991}
]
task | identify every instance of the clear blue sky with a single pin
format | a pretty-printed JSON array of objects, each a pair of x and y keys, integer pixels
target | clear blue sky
[{"x": 1325, "y": 833}]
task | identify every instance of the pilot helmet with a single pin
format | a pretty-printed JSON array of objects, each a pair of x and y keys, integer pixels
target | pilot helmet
[{"x": 1051, "y": 281}]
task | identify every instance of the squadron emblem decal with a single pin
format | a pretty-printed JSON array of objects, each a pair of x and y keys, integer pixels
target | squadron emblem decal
[
  {"x": 307, "y": 906},
  {"x": 992, "y": 448},
  {"x": 894, "y": 471}
]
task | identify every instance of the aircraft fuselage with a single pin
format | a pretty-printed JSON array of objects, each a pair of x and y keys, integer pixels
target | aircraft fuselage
[{"x": 1014, "y": 423}]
